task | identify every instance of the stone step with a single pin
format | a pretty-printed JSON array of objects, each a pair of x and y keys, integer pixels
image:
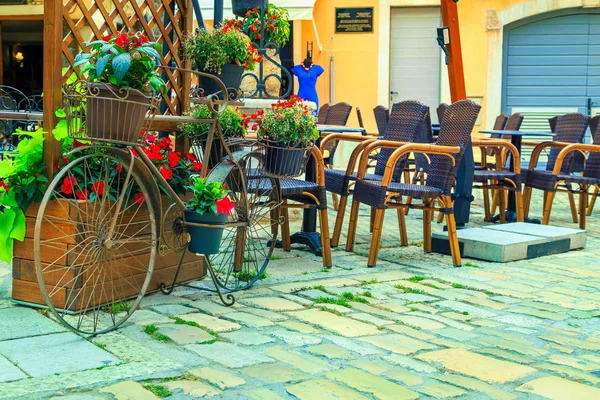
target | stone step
[{"x": 512, "y": 242}]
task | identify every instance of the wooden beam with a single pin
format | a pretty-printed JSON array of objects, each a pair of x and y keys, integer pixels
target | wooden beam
[
  {"x": 53, "y": 22},
  {"x": 456, "y": 74},
  {"x": 1, "y": 57}
]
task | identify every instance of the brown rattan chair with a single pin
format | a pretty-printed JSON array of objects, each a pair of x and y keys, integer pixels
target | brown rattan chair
[
  {"x": 445, "y": 156},
  {"x": 304, "y": 194},
  {"x": 561, "y": 181},
  {"x": 322, "y": 115},
  {"x": 570, "y": 129},
  {"x": 404, "y": 125}
]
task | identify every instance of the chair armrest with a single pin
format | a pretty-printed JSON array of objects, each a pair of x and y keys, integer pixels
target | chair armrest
[
  {"x": 505, "y": 145},
  {"x": 573, "y": 147},
  {"x": 529, "y": 143},
  {"x": 320, "y": 166},
  {"x": 348, "y": 137},
  {"x": 537, "y": 150}
]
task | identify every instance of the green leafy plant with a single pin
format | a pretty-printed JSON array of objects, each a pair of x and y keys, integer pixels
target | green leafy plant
[
  {"x": 209, "y": 197},
  {"x": 158, "y": 390},
  {"x": 289, "y": 122},
  {"x": 232, "y": 121},
  {"x": 127, "y": 60},
  {"x": 209, "y": 51},
  {"x": 277, "y": 25}
]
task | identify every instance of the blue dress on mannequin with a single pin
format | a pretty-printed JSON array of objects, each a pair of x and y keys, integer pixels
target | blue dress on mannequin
[{"x": 308, "y": 82}]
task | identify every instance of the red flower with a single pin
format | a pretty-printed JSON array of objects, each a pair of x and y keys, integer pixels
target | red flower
[
  {"x": 271, "y": 28},
  {"x": 107, "y": 37},
  {"x": 260, "y": 112},
  {"x": 224, "y": 206},
  {"x": 254, "y": 116},
  {"x": 135, "y": 153},
  {"x": 4, "y": 186},
  {"x": 165, "y": 143},
  {"x": 258, "y": 37},
  {"x": 197, "y": 165},
  {"x": 149, "y": 138},
  {"x": 119, "y": 42},
  {"x": 118, "y": 168},
  {"x": 190, "y": 156},
  {"x": 82, "y": 195},
  {"x": 139, "y": 198},
  {"x": 68, "y": 185},
  {"x": 166, "y": 173},
  {"x": 173, "y": 159},
  {"x": 154, "y": 153},
  {"x": 77, "y": 143},
  {"x": 98, "y": 188}
]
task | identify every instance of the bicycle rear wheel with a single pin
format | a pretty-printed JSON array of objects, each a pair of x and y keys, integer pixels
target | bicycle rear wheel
[
  {"x": 252, "y": 228},
  {"x": 93, "y": 280}
]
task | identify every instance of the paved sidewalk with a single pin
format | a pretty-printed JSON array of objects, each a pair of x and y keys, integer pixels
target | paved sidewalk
[{"x": 414, "y": 327}]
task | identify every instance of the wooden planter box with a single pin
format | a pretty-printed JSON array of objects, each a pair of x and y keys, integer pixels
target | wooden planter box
[{"x": 25, "y": 285}]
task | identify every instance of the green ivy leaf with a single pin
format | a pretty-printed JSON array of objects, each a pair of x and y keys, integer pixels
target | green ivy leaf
[{"x": 121, "y": 64}]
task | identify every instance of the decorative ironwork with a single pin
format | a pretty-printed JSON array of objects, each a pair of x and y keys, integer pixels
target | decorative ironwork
[{"x": 263, "y": 50}]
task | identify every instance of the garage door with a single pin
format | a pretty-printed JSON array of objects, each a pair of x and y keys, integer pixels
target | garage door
[
  {"x": 415, "y": 56},
  {"x": 551, "y": 67}
]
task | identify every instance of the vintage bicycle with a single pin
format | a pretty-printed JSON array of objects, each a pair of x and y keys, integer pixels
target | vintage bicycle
[{"x": 117, "y": 214}]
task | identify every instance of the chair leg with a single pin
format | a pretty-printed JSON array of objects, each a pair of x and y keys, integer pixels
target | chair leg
[
  {"x": 573, "y": 207},
  {"x": 519, "y": 201},
  {"x": 415, "y": 179},
  {"x": 494, "y": 202},
  {"x": 502, "y": 205},
  {"x": 427, "y": 217},
  {"x": 372, "y": 219},
  {"x": 440, "y": 217},
  {"x": 325, "y": 241},
  {"x": 339, "y": 221},
  {"x": 452, "y": 235},
  {"x": 334, "y": 197},
  {"x": 486, "y": 205},
  {"x": 526, "y": 200},
  {"x": 352, "y": 226},
  {"x": 549, "y": 198},
  {"x": 286, "y": 242},
  {"x": 376, "y": 237},
  {"x": 592, "y": 202},
  {"x": 583, "y": 199},
  {"x": 402, "y": 227}
]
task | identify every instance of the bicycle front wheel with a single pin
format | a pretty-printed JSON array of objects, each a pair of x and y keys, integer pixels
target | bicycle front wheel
[{"x": 95, "y": 243}]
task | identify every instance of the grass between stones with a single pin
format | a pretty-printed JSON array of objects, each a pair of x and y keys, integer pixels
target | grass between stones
[
  {"x": 409, "y": 290},
  {"x": 470, "y": 264},
  {"x": 331, "y": 310},
  {"x": 416, "y": 278},
  {"x": 158, "y": 390},
  {"x": 120, "y": 306},
  {"x": 342, "y": 300},
  {"x": 152, "y": 330},
  {"x": 371, "y": 282}
]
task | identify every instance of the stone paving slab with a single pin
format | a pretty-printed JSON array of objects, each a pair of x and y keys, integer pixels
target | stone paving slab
[
  {"x": 62, "y": 352},
  {"x": 21, "y": 322},
  {"x": 8, "y": 372},
  {"x": 577, "y": 237}
]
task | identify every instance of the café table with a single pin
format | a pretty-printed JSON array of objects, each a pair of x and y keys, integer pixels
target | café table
[
  {"x": 309, "y": 236},
  {"x": 516, "y": 138}
]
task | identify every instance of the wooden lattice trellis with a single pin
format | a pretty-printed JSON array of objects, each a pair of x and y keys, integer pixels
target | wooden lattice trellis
[
  {"x": 68, "y": 24},
  {"x": 162, "y": 21}
]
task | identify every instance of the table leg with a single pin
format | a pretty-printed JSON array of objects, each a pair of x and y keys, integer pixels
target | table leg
[{"x": 464, "y": 187}]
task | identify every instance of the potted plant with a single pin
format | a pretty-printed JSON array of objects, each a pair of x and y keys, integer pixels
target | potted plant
[
  {"x": 121, "y": 70},
  {"x": 288, "y": 131},
  {"x": 241, "y": 7},
  {"x": 210, "y": 205},
  {"x": 224, "y": 52},
  {"x": 233, "y": 124}
]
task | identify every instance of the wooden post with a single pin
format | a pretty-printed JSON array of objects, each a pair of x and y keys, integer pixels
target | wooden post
[
  {"x": 183, "y": 143},
  {"x": 1, "y": 57},
  {"x": 456, "y": 73},
  {"x": 52, "y": 79}
]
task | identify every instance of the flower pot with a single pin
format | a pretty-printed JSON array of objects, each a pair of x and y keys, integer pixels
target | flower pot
[
  {"x": 241, "y": 7},
  {"x": 283, "y": 160},
  {"x": 114, "y": 114},
  {"x": 231, "y": 76},
  {"x": 205, "y": 240},
  {"x": 217, "y": 151}
]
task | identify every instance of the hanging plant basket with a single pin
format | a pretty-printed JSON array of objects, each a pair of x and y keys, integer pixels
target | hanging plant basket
[
  {"x": 203, "y": 239},
  {"x": 231, "y": 76},
  {"x": 284, "y": 160},
  {"x": 241, "y": 7},
  {"x": 114, "y": 114}
]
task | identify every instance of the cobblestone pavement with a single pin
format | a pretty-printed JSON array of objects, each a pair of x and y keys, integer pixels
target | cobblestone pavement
[{"x": 414, "y": 327}]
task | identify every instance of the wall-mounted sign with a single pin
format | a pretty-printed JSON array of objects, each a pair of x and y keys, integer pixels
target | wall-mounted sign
[{"x": 354, "y": 20}]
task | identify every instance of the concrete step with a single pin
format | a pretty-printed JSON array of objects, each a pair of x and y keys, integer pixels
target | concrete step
[{"x": 512, "y": 242}]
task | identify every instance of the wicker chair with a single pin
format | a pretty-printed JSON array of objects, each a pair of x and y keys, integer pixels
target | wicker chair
[
  {"x": 322, "y": 116},
  {"x": 570, "y": 129},
  {"x": 559, "y": 180},
  {"x": 441, "y": 110},
  {"x": 309, "y": 195},
  {"x": 445, "y": 156},
  {"x": 382, "y": 116},
  {"x": 404, "y": 125}
]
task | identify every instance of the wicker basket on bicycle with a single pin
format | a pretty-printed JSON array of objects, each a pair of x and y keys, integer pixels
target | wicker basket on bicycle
[
  {"x": 106, "y": 113},
  {"x": 284, "y": 160}
]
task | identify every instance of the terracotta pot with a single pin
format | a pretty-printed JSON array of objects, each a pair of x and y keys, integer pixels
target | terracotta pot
[{"x": 114, "y": 114}]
